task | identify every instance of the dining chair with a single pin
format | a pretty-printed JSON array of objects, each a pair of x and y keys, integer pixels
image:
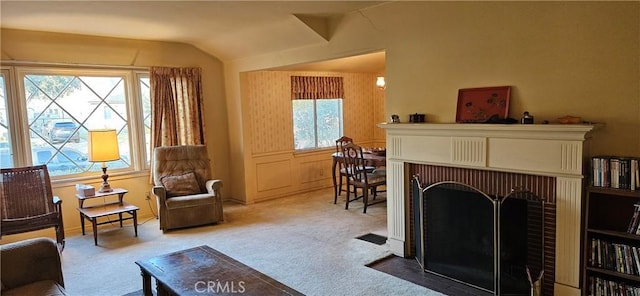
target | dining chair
[
  {"x": 342, "y": 175},
  {"x": 342, "y": 172},
  {"x": 360, "y": 177}
]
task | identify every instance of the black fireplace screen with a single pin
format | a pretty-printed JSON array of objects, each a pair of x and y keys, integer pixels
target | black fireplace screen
[
  {"x": 521, "y": 242},
  {"x": 483, "y": 241}
]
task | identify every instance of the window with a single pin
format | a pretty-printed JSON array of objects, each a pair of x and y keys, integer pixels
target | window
[
  {"x": 58, "y": 107},
  {"x": 316, "y": 123},
  {"x": 317, "y": 111}
]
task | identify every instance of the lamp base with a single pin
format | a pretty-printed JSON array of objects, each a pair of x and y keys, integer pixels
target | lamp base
[{"x": 105, "y": 187}]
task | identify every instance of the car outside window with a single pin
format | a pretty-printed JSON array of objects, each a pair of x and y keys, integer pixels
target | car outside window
[{"x": 63, "y": 132}]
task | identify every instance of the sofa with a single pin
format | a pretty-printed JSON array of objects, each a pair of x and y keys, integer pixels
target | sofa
[{"x": 31, "y": 267}]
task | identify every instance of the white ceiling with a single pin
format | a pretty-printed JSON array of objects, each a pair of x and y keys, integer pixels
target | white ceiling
[{"x": 227, "y": 30}]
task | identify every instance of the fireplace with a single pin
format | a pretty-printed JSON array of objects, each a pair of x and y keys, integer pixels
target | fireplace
[
  {"x": 457, "y": 234},
  {"x": 533, "y": 156},
  {"x": 483, "y": 239}
]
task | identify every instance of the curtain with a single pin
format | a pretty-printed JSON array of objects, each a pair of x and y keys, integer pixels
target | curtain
[
  {"x": 177, "y": 113},
  {"x": 315, "y": 87}
]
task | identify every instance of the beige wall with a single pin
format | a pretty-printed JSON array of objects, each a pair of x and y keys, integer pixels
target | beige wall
[
  {"x": 74, "y": 49},
  {"x": 561, "y": 58},
  {"x": 578, "y": 58},
  {"x": 272, "y": 167},
  {"x": 268, "y": 102}
]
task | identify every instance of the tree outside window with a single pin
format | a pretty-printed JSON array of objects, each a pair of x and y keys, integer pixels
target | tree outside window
[{"x": 316, "y": 123}]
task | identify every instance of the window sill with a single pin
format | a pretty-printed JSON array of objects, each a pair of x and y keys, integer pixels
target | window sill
[{"x": 95, "y": 177}]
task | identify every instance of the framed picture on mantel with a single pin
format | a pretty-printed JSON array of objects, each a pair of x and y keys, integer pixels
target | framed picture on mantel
[{"x": 478, "y": 105}]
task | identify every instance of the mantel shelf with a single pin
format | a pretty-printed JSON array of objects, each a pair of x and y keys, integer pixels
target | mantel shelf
[{"x": 533, "y": 131}]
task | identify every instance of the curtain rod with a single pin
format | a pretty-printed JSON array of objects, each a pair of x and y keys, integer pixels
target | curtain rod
[{"x": 49, "y": 64}]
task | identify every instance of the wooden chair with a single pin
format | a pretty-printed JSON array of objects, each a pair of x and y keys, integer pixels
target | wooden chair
[
  {"x": 27, "y": 202},
  {"x": 342, "y": 173},
  {"x": 340, "y": 143},
  {"x": 358, "y": 176}
]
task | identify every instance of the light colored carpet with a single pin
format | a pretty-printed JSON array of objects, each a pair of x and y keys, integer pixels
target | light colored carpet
[{"x": 303, "y": 241}]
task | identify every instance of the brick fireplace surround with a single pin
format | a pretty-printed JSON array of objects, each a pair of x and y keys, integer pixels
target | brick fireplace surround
[{"x": 557, "y": 151}]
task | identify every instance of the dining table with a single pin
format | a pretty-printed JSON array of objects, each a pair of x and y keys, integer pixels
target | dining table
[{"x": 372, "y": 159}]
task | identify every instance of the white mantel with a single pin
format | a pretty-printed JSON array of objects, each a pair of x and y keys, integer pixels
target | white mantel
[{"x": 556, "y": 150}]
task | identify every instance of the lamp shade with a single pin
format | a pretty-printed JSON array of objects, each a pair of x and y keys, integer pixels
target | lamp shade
[
  {"x": 103, "y": 145},
  {"x": 380, "y": 82}
]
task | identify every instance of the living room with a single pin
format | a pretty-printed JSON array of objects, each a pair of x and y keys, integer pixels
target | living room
[{"x": 560, "y": 58}]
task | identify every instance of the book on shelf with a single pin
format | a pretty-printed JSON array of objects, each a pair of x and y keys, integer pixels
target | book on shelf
[
  {"x": 631, "y": 268},
  {"x": 634, "y": 222},
  {"x": 635, "y": 174},
  {"x": 598, "y": 249},
  {"x": 598, "y": 286},
  {"x": 636, "y": 257},
  {"x": 615, "y": 172},
  {"x": 619, "y": 257}
]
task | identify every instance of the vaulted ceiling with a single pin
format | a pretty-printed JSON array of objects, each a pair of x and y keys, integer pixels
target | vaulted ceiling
[{"x": 227, "y": 30}]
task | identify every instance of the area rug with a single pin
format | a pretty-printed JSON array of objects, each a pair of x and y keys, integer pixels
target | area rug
[{"x": 373, "y": 238}]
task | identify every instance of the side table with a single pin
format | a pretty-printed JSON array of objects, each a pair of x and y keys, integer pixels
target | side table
[{"x": 92, "y": 213}]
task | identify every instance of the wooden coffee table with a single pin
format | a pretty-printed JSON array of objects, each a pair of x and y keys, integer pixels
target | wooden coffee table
[{"x": 205, "y": 271}]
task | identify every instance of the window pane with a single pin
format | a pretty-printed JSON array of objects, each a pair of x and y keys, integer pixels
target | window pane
[
  {"x": 303, "y": 124},
  {"x": 145, "y": 94},
  {"x": 329, "y": 117},
  {"x": 6, "y": 159},
  {"x": 61, "y": 110},
  {"x": 316, "y": 123}
]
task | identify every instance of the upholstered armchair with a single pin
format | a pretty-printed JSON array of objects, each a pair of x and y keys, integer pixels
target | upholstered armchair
[
  {"x": 31, "y": 267},
  {"x": 186, "y": 196}
]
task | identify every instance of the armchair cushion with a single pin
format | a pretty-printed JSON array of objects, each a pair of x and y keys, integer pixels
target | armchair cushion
[
  {"x": 186, "y": 201},
  {"x": 179, "y": 185}
]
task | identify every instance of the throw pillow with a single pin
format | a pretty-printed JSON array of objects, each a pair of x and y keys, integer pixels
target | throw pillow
[{"x": 179, "y": 185}]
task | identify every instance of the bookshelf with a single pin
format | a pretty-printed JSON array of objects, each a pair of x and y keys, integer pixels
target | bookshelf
[{"x": 611, "y": 231}]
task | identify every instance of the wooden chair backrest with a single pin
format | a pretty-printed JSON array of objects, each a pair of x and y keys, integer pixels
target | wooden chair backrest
[
  {"x": 341, "y": 142},
  {"x": 25, "y": 192},
  {"x": 354, "y": 162}
]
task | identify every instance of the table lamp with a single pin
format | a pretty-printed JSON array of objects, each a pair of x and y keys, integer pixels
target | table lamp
[{"x": 103, "y": 146}]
